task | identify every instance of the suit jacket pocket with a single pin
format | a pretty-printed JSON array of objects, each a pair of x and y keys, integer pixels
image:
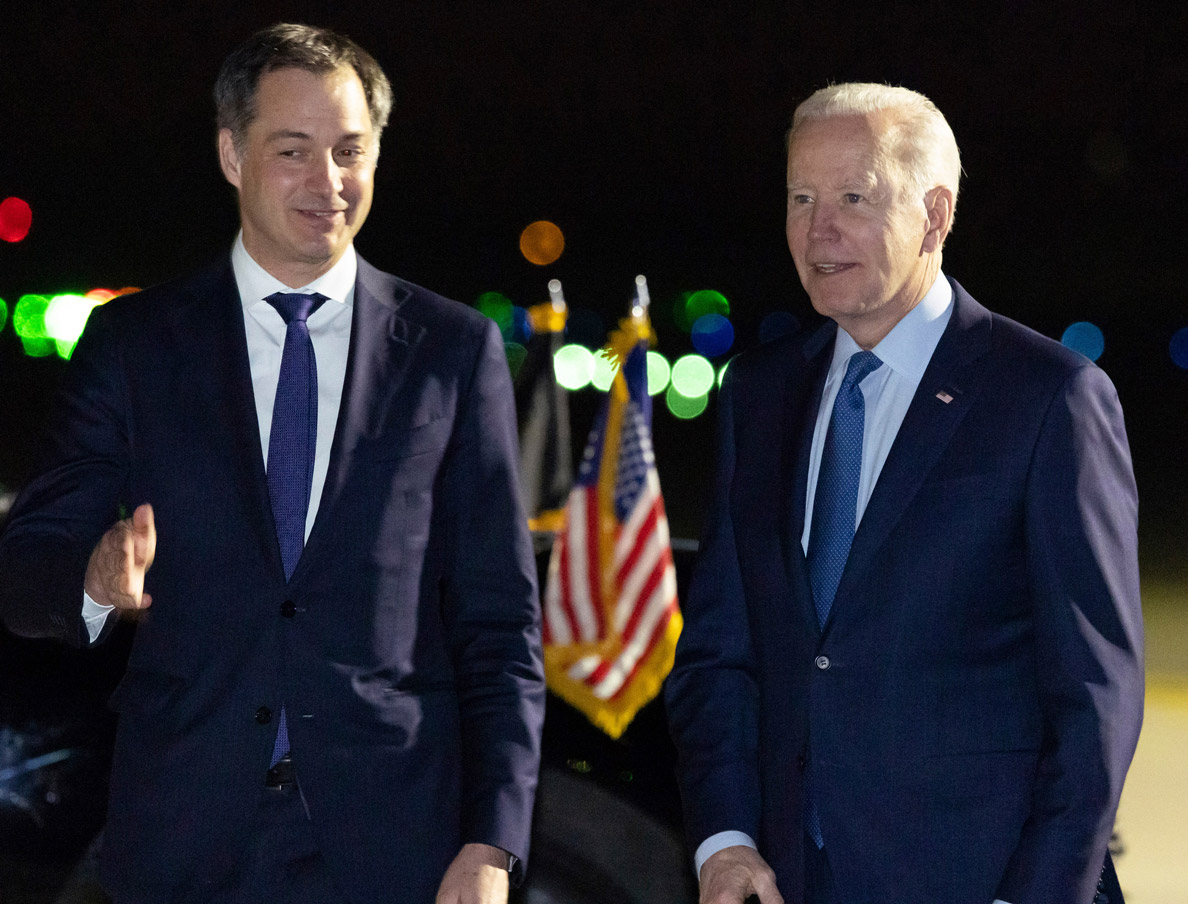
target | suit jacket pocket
[{"x": 399, "y": 443}]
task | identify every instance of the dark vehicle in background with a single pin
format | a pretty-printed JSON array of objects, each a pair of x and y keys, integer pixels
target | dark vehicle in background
[{"x": 607, "y": 824}]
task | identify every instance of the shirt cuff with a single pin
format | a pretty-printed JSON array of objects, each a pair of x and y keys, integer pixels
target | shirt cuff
[
  {"x": 715, "y": 843},
  {"x": 94, "y": 616}
]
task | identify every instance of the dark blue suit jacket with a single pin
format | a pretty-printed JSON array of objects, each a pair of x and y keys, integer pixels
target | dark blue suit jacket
[
  {"x": 973, "y": 702},
  {"x": 410, "y": 666}
]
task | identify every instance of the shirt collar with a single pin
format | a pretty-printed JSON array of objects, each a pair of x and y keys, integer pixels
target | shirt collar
[
  {"x": 255, "y": 283},
  {"x": 908, "y": 348}
]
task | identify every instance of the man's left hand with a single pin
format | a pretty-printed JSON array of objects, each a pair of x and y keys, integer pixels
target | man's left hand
[{"x": 478, "y": 875}]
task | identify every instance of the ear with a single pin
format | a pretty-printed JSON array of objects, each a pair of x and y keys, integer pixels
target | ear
[
  {"x": 228, "y": 157},
  {"x": 938, "y": 204}
]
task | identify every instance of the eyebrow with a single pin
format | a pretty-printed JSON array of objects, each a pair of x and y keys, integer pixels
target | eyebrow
[{"x": 282, "y": 134}]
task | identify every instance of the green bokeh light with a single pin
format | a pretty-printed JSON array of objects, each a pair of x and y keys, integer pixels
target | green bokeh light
[
  {"x": 605, "y": 369},
  {"x": 692, "y": 376},
  {"x": 574, "y": 366},
  {"x": 3, "y": 313},
  {"x": 28, "y": 317},
  {"x": 682, "y": 406},
  {"x": 722, "y": 372},
  {"x": 65, "y": 318},
  {"x": 659, "y": 370},
  {"x": 697, "y": 304},
  {"x": 499, "y": 308},
  {"x": 515, "y": 356}
]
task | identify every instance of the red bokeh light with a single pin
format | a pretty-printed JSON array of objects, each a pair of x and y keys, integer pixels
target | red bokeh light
[{"x": 15, "y": 219}]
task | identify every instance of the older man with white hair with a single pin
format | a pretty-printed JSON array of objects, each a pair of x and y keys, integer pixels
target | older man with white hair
[{"x": 912, "y": 664}]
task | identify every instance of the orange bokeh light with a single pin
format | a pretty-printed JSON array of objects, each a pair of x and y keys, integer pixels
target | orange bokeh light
[{"x": 541, "y": 242}]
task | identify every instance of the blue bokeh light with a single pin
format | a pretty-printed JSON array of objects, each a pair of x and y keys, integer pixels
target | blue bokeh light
[
  {"x": 712, "y": 335},
  {"x": 1086, "y": 338}
]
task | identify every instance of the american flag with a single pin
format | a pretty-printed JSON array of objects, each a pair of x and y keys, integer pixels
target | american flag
[{"x": 611, "y": 619}]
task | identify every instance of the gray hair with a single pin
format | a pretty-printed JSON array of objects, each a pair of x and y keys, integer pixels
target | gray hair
[
  {"x": 919, "y": 139},
  {"x": 290, "y": 46}
]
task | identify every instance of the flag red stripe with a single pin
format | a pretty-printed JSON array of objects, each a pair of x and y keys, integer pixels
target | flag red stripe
[
  {"x": 661, "y": 627},
  {"x": 645, "y": 595},
  {"x": 594, "y": 563},
  {"x": 567, "y": 590},
  {"x": 642, "y": 537}
]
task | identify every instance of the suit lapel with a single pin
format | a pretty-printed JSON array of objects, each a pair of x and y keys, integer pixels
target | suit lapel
[
  {"x": 948, "y": 388},
  {"x": 211, "y": 320},
  {"x": 803, "y": 397},
  {"x": 382, "y": 346}
]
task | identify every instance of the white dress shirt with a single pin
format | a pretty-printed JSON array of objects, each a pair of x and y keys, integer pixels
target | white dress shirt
[
  {"x": 329, "y": 328},
  {"x": 888, "y": 392}
]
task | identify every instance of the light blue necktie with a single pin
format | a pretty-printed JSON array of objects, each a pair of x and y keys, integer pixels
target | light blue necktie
[
  {"x": 291, "y": 443},
  {"x": 835, "y": 512}
]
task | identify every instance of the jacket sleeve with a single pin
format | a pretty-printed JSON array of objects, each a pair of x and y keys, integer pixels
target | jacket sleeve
[
  {"x": 1082, "y": 558},
  {"x": 712, "y": 695},
  {"x": 74, "y": 497},
  {"x": 492, "y": 611}
]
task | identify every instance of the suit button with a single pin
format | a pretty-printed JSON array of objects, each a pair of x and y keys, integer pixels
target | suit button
[
  {"x": 821, "y": 662},
  {"x": 801, "y": 762},
  {"x": 263, "y": 715},
  {"x": 288, "y": 609}
]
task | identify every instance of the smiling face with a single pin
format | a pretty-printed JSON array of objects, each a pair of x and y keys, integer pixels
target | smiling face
[
  {"x": 866, "y": 253},
  {"x": 305, "y": 174}
]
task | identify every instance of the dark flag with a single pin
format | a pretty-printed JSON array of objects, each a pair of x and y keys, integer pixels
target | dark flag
[{"x": 546, "y": 461}]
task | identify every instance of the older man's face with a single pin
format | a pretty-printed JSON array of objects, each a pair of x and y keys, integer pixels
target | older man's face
[
  {"x": 305, "y": 176},
  {"x": 859, "y": 247}
]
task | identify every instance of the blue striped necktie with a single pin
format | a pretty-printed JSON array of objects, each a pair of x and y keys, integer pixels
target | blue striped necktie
[
  {"x": 292, "y": 441},
  {"x": 835, "y": 513}
]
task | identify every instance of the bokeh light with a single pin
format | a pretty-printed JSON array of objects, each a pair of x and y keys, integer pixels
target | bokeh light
[
  {"x": 1086, "y": 338},
  {"x": 542, "y": 242},
  {"x": 516, "y": 354},
  {"x": 712, "y": 335},
  {"x": 1178, "y": 348},
  {"x": 102, "y": 296},
  {"x": 605, "y": 369},
  {"x": 776, "y": 324},
  {"x": 574, "y": 366},
  {"x": 28, "y": 322},
  {"x": 3, "y": 313},
  {"x": 498, "y": 307},
  {"x": 722, "y": 372},
  {"x": 521, "y": 326},
  {"x": 697, "y": 304},
  {"x": 682, "y": 406},
  {"x": 16, "y": 217},
  {"x": 65, "y": 317},
  {"x": 659, "y": 370},
  {"x": 692, "y": 376}
]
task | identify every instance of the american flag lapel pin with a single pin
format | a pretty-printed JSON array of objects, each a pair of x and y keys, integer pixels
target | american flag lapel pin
[{"x": 944, "y": 396}]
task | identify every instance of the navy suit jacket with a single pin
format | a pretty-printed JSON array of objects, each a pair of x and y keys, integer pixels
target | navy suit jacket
[
  {"x": 409, "y": 661},
  {"x": 972, "y": 704}
]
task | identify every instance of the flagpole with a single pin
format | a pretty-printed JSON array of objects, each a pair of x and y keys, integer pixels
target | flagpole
[
  {"x": 556, "y": 297},
  {"x": 639, "y": 308}
]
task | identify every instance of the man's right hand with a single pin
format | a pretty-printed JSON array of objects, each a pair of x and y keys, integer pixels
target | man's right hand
[
  {"x": 733, "y": 874},
  {"x": 115, "y": 573}
]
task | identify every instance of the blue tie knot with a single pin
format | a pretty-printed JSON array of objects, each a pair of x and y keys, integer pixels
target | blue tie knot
[
  {"x": 295, "y": 306},
  {"x": 861, "y": 366}
]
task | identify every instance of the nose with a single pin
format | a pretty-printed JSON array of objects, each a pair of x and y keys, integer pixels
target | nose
[
  {"x": 822, "y": 223},
  {"x": 324, "y": 175}
]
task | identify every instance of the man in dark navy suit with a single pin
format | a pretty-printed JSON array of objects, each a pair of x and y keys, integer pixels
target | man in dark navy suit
[
  {"x": 911, "y": 671},
  {"x": 306, "y": 467}
]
